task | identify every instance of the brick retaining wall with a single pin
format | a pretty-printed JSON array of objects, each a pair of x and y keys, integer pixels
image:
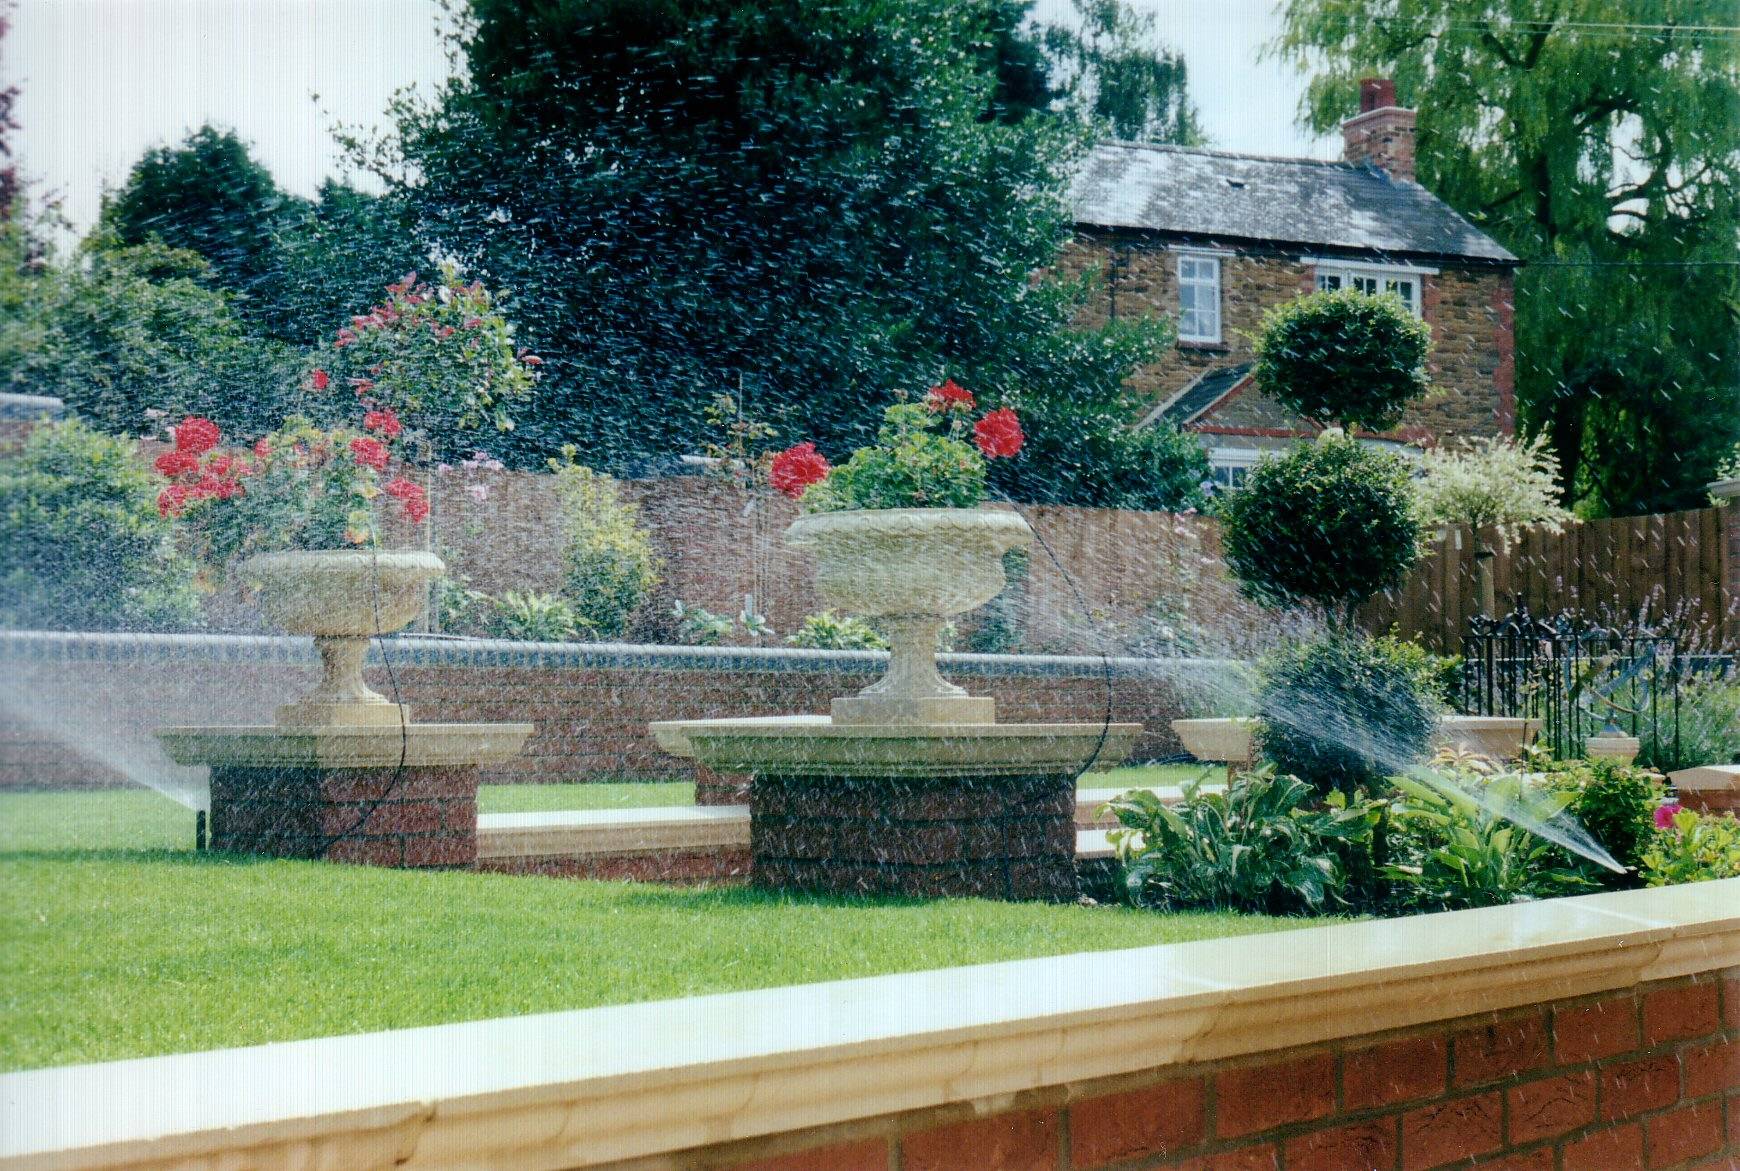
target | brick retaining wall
[
  {"x": 1646, "y": 1079},
  {"x": 80, "y": 708}
]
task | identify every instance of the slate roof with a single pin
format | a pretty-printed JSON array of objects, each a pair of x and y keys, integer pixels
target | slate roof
[
  {"x": 1190, "y": 403},
  {"x": 1216, "y": 195}
]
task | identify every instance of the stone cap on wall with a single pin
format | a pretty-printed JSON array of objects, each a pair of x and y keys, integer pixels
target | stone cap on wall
[
  {"x": 427, "y": 651},
  {"x": 576, "y": 1089}
]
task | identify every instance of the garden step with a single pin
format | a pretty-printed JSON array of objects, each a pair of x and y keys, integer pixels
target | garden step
[{"x": 601, "y": 832}]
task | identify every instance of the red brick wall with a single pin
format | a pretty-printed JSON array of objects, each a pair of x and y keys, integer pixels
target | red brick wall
[{"x": 1643, "y": 1079}]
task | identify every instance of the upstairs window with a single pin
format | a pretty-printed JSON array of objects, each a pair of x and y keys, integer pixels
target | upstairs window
[
  {"x": 1198, "y": 298},
  {"x": 1405, "y": 285}
]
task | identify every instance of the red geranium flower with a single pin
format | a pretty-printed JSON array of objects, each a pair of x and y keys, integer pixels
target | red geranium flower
[
  {"x": 403, "y": 489},
  {"x": 319, "y": 379},
  {"x": 796, "y": 468},
  {"x": 416, "y": 508},
  {"x": 220, "y": 464},
  {"x": 370, "y": 453},
  {"x": 949, "y": 394},
  {"x": 173, "y": 463},
  {"x": 386, "y": 421},
  {"x": 196, "y": 435},
  {"x": 173, "y": 499},
  {"x": 998, "y": 434},
  {"x": 211, "y": 484}
]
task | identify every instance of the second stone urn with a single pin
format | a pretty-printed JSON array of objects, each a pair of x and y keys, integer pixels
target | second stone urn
[
  {"x": 343, "y": 597},
  {"x": 911, "y": 570}
]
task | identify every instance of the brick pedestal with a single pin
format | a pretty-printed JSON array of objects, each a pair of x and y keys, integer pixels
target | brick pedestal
[
  {"x": 1000, "y": 837},
  {"x": 410, "y": 817},
  {"x": 713, "y": 788}
]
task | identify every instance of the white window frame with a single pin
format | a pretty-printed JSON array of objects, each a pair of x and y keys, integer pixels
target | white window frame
[
  {"x": 1231, "y": 459},
  {"x": 1196, "y": 282},
  {"x": 1380, "y": 274}
]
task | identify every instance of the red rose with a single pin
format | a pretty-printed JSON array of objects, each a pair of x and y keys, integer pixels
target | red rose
[
  {"x": 998, "y": 434},
  {"x": 196, "y": 436},
  {"x": 319, "y": 379},
  {"x": 385, "y": 421},
  {"x": 949, "y": 394},
  {"x": 796, "y": 468},
  {"x": 173, "y": 463},
  {"x": 416, "y": 508},
  {"x": 403, "y": 489},
  {"x": 172, "y": 500},
  {"x": 369, "y": 453}
]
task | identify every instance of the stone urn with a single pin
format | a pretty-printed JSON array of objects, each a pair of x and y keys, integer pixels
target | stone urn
[
  {"x": 342, "y": 597},
  {"x": 1229, "y": 740},
  {"x": 1497, "y": 737},
  {"x": 911, "y": 570}
]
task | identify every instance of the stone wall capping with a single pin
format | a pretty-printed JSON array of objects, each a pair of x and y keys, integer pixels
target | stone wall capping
[{"x": 585, "y": 1088}]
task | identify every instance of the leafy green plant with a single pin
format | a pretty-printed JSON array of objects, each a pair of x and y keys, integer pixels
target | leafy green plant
[
  {"x": 85, "y": 546},
  {"x": 1345, "y": 358},
  {"x": 1267, "y": 844},
  {"x": 1709, "y": 727},
  {"x": 1693, "y": 847},
  {"x": 1439, "y": 674},
  {"x": 610, "y": 565},
  {"x": 1614, "y": 802},
  {"x": 1326, "y": 525},
  {"x": 534, "y": 617},
  {"x": 699, "y": 626},
  {"x": 825, "y": 632},
  {"x": 1453, "y": 852},
  {"x": 921, "y": 458},
  {"x": 1345, "y": 712},
  {"x": 458, "y": 608}
]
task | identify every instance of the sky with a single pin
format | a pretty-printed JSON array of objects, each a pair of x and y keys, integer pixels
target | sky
[{"x": 105, "y": 80}]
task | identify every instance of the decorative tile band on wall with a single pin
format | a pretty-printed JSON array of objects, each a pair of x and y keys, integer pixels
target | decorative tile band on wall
[{"x": 1597, "y": 1032}]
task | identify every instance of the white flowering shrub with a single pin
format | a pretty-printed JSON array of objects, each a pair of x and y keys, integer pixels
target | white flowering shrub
[{"x": 1493, "y": 482}]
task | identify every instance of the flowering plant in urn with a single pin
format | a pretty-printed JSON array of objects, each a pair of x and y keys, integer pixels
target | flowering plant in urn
[{"x": 898, "y": 537}]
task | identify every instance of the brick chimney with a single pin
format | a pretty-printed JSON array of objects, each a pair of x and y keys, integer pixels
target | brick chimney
[{"x": 1382, "y": 133}]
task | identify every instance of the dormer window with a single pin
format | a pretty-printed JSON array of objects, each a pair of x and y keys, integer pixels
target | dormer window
[{"x": 1198, "y": 298}]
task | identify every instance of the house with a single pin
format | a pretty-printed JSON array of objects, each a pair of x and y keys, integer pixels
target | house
[{"x": 1213, "y": 240}]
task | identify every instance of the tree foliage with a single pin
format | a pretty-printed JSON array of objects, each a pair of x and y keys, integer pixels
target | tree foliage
[
  {"x": 1110, "y": 62},
  {"x": 1599, "y": 140},
  {"x": 811, "y": 206},
  {"x": 1345, "y": 358},
  {"x": 1494, "y": 482}
]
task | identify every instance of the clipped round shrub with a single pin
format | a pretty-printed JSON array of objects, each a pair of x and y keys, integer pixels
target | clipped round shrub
[
  {"x": 609, "y": 563},
  {"x": 1326, "y": 524},
  {"x": 1344, "y": 357},
  {"x": 1345, "y": 712},
  {"x": 86, "y": 548}
]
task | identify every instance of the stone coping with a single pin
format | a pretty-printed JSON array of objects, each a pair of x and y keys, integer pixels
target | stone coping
[
  {"x": 425, "y": 651},
  {"x": 354, "y": 746},
  {"x": 1707, "y": 778},
  {"x": 577, "y": 1089},
  {"x": 596, "y": 833}
]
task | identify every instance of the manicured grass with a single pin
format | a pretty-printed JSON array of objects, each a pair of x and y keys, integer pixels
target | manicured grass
[
  {"x": 112, "y": 945},
  {"x": 1150, "y": 775}
]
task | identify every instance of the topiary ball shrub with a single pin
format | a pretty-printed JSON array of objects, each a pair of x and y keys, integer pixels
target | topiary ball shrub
[
  {"x": 1327, "y": 524},
  {"x": 85, "y": 546},
  {"x": 1345, "y": 712},
  {"x": 1346, "y": 358}
]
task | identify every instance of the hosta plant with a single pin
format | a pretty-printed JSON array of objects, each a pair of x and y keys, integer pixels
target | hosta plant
[
  {"x": 1266, "y": 845},
  {"x": 828, "y": 632}
]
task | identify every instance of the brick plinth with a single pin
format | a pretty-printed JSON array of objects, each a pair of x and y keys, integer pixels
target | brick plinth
[
  {"x": 415, "y": 817},
  {"x": 964, "y": 837}
]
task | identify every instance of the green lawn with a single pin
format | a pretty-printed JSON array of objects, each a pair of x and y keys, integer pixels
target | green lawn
[{"x": 116, "y": 940}]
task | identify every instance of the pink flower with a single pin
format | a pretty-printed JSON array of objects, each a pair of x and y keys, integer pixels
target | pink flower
[
  {"x": 319, "y": 380},
  {"x": 196, "y": 435},
  {"x": 369, "y": 453},
  {"x": 796, "y": 468},
  {"x": 263, "y": 448},
  {"x": 346, "y": 336},
  {"x": 473, "y": 322},
  {"x": 532, "y": 360},
  {"x": 173, "y": 463},
  {"x": 949, "y": 395},
  {"x": 998, "y": 434},
  {"x": 478, "y": 492},
  {"x": 1664, "y": 814}
]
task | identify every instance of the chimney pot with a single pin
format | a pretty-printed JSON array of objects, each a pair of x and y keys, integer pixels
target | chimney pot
[{"x": 1382, "y": 133}]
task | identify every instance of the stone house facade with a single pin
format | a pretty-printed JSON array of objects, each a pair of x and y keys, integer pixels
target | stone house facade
[{"x": 1214, "y": 240}]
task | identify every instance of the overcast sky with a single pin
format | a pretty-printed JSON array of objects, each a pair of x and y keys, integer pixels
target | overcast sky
[{"x": 105, "y": 80}]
